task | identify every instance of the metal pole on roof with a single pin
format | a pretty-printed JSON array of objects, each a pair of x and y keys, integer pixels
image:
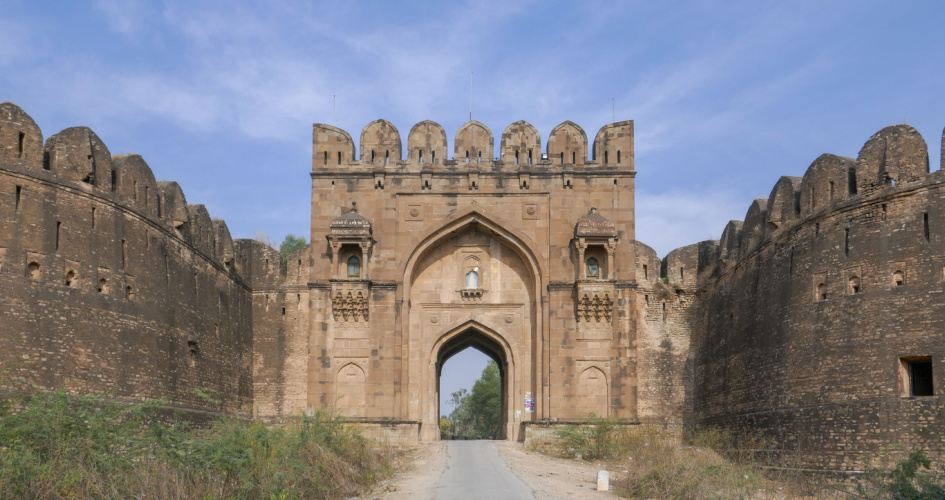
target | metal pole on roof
[{"x": 470, "y": 95}]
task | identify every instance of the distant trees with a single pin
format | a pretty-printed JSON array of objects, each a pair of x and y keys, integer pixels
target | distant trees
[
  {"x": 291, "y": 244},
  {"x": 477, "y": 414}
]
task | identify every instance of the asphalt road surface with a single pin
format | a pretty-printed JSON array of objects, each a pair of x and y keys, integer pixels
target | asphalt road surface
[{"x": 475, "y": 471}]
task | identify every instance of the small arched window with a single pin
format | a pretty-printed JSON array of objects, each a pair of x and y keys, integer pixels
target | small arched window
[
  {"x": 354, "y": 266},
  {"x": 820, "y": 292},
  {"x": 606, "y": 157},
  {"x": 854, "y": 284},
  {"x": 899, "y": 278},
  {"x": 70, "y": 278},
  {"x": 472, "y": 279},
  {"x": 618, "y": 157},
  {"x": 467, "y": 156},
  {"x": 103, "y": 286},
  {"x": 593, "y": 269},
  {"x": 372, "y": 156}
]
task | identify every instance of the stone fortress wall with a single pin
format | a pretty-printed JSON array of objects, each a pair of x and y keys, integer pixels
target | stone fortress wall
[
  {"x": 815, "y": 321},
  {"x": 112, "y": 283},
  {"x": 818, "y": 319}
]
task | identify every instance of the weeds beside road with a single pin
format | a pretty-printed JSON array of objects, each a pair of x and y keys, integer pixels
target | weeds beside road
[
  {"x": 53, "y": 445},
  {"x": 647, "y": 462}
]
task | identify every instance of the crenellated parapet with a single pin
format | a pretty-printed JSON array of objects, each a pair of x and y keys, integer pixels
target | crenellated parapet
[
  {"x": 893, "y": 161},
  {"x": 138, "y": 293},
  {"x": 520, "y": 148},
  {"x": 817, "y": 315}
]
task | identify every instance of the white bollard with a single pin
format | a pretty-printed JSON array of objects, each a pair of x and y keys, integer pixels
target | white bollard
[{"x": 603, "y": 480}]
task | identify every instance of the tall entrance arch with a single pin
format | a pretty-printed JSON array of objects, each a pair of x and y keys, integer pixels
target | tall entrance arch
[
  {"x": 472, "y": 284},
  {"x": 478, "y": 337}
]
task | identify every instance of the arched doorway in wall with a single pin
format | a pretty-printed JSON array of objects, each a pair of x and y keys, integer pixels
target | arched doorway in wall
[
  {"x": 472, "y": 280},
  {"x": 473, "y": 337}
]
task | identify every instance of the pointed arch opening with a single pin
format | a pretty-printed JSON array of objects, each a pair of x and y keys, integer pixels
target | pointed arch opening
[{"x": 491, "y": 421}]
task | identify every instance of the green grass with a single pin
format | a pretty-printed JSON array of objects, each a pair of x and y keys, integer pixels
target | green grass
[{"x": 53, "y": 445}]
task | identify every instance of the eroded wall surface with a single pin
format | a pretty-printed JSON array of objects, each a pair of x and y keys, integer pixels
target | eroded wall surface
[
  {"x": 818, "y": 303},
  {"x": 110, "y": 283}
]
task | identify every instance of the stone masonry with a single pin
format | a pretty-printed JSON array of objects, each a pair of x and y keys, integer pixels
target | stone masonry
[{"x": 814, "y": 322}]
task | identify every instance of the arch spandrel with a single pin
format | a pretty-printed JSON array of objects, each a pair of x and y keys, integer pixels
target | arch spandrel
[{"x": 518, "y": 241}]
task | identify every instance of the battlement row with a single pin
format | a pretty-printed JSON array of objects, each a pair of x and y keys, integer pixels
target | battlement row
[
  {"x": 893, "y": 160},
  {"x": 78, "y": 158},
  {"x": 520, "y": 146}
]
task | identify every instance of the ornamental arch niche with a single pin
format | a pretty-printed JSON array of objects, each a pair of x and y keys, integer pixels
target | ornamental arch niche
[{"x": 500, "y": 317}]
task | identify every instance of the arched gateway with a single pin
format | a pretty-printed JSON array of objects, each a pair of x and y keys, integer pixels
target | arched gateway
[
  {"x": 472, "y": 282},
  {"x": 412, "y": 262}
]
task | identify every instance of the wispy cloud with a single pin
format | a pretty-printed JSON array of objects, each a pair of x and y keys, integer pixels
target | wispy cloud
[{"x": 676, "y": 218}]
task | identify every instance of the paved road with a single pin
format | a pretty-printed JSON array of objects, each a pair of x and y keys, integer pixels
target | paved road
[{"x": 475, "y": 471}]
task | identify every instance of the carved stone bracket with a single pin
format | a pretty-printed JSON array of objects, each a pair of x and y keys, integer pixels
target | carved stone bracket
[
  {"x": 595, "y": 303},
  {"x": 349, "y": 301},
  {"x": 472, "y": 293}
]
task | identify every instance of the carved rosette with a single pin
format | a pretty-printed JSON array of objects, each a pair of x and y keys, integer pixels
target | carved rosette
[{"x": 349, "y": 302}]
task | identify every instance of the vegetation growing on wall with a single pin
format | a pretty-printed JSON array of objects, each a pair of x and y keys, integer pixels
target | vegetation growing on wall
[{"x": 291, "y": 244}]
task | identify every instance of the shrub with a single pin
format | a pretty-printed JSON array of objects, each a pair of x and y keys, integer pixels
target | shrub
[
  {"x": 56, "y": 445},
  {"x": 596, "y": 439},
  {"x": 912, "y": 478}
]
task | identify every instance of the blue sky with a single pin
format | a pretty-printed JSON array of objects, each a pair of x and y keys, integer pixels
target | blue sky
[{"x": 727, "y": 96}]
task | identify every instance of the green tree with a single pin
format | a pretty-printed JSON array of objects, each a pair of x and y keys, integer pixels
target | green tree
[
  {"x": 477, "y": 414},
  {"x": 291, "y": 244},
  {"x": 485, "y": 402}
]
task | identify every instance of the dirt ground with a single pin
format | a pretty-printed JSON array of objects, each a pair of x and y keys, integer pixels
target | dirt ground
[
  {"x": 418, "y": 470},
  {"x": 551, "y": 477}
]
